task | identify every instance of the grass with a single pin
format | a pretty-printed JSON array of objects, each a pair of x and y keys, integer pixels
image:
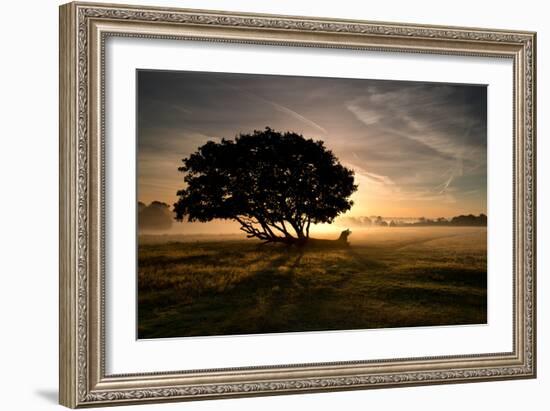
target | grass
[{"x": 393, "y": 277}]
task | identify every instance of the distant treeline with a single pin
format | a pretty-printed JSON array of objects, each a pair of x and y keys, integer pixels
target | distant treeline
[{"x": 461, "y": 220}]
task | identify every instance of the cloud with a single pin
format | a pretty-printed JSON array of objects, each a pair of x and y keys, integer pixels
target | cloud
[
  {"x": 436, "y": 133},
  {"x": 372, "y": 177},
  {"x": 440, "y": 117},
  {"x": 279, "y": 107},
  {"x": 297, "y": 116},
  {"x": 366, "y": 116}
]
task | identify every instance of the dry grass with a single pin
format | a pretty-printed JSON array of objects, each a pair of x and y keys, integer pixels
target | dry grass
[{"x": 393, "y": 277}]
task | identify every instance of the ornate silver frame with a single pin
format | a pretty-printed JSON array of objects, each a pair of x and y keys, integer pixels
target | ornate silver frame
[{"x": 83, "y": 30}]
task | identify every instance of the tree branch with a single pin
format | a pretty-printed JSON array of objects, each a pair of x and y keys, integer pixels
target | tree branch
[
  {"x": 266, "y": 234},
  {"x": 296, "y": 228},
  {"x": 248, "y": 227},
  {"x": 281, "y": 229}
]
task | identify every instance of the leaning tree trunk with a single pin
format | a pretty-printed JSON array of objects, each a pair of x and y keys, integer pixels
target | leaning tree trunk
[{"x": 275, "y": 232}]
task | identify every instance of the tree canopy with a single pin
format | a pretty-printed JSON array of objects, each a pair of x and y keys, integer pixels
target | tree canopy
[{"x": 275, "y": 185}]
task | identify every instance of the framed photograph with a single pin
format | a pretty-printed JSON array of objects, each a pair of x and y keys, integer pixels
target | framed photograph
[{"x": 259, "y": 204}]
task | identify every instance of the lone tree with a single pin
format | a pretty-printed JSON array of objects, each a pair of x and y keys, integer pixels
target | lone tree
[{"x": 274, "y": 184}]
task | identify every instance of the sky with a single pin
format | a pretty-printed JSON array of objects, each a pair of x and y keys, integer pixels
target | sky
[{"x": 417, "y": 149}]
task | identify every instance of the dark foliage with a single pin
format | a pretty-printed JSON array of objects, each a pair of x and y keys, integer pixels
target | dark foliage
[
  {"x": 470, "y": 220},
  {"x": 274, "y": 184}
]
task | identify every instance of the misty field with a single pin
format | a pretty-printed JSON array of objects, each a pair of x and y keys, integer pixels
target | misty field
[{"x": 387, "y": 277}]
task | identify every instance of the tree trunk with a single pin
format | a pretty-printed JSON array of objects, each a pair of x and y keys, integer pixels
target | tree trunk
[
  {"x": 258, "y": 227},
  {"x": 290, "y": 241}
]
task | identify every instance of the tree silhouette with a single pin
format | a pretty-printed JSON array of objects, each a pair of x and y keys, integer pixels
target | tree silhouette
[{"x": 275, "y": 185}]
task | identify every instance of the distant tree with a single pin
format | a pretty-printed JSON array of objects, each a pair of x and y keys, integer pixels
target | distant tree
[
  {"x": 156, "y": 216},
  {"x": 482, "y": 219},
  {"x": 470, "y": 220},
  {"x": 275, "y": 185},
  {"x": 365, "y": 221},
  {"x": 461, "y": 220}
]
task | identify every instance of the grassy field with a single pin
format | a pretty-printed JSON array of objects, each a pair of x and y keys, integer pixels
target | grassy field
[{"x": 388, "y": 277}]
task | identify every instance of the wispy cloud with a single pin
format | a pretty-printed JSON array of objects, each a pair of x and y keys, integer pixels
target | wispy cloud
[
  {"x": 276, "y": 106},
  {"x": 297, "y": 116},
  {"x": 434, "y": 119}
]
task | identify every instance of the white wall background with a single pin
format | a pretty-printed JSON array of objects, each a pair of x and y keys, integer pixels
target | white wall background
[{"x": 29, "y": 189}]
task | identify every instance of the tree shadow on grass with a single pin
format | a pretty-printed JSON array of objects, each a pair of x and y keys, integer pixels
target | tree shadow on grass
[
  {"x": 362, "y": 260},
  {"x": 272, "y": 275},
  {"x": 289, "y": 289}
]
